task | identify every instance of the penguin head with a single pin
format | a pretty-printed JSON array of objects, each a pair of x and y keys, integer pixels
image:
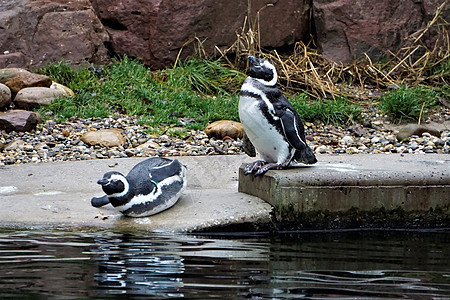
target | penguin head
[
  {"x": 114, "y": 184},
  {"x": 263, "y": 71}
]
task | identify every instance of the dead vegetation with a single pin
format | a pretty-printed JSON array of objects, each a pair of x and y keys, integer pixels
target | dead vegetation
[{"x": 307, "y": 70}]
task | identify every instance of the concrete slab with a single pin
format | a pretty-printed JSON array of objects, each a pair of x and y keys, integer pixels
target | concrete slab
[
  {"x": 58, "y": 195},
  {"x": 363, "y": 182}
]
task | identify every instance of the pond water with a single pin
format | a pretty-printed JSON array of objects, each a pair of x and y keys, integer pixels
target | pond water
[{"x": 312, "y": 265}]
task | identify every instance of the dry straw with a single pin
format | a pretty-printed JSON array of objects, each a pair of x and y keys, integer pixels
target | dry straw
[{"x": 307, "y": 70}]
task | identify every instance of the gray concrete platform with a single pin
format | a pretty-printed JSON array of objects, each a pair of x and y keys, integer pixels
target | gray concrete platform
[
  {"x": 363, "y": 182},
  {"x": 57, "y": 195}
]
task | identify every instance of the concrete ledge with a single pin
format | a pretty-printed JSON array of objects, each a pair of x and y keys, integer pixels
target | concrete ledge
[
  {"x": 57, "y": 195},
  {"x": 365, "y": 183}
]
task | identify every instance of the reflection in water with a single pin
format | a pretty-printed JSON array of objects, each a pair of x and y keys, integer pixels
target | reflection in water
[
  {"x": 308, "y": 265},
  {"x": 156, "y": 266},
  {"x": 144, "y": 267}
]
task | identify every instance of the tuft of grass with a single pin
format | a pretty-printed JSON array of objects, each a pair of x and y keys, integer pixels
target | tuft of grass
[
  {"x": 408, "y": 103},
  {"x": 204, "y": 76},
  {"x": 338, "y": 111},
  {"x": 197, "y": 89},
  {"x": 76, "y": 79}
]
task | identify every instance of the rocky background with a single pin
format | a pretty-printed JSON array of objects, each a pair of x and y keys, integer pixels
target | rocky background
[{"x": 37, "y": 32}]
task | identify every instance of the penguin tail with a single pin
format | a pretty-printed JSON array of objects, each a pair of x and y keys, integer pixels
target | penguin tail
[{"x": 306, "y": 156}]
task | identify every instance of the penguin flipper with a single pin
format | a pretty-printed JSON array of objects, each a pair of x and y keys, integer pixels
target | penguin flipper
[
  {"x": 295, "y": 134},
  {"x": 248, "y": 147},
  {"x": 293, "y": 129},
  {"x": 99, "y": 201},
  {"x": 166, "y": 170}
]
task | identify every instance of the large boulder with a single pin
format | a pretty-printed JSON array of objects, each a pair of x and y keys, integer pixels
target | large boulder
[
  {"x": 36, "y": 32},
  {"x": 347, "y": 29},
  {"x": 18, "y": 120},
  {"x": 156, "y": 30},
  {"x": 407, "y": 130},
  {"x": 25, "y": 80},
  {"x": 5, "y": 96},
  {"x": 9, "y": 73},
  {"x": 33, "y": 97}
]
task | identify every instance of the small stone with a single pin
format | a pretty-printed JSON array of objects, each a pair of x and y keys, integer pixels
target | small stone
[
  {"x": 375, "y": 140},
  {"x": 389, "y": 148},
  {"x": 321, "y": 149},
  {"x": 347, "y": 140},
  {"x": 129, "y": 152},
  {"x": 14, "y": 145},
  {"x": 222, "y": 128},
  {"x": 28, "y": 147},
  {"x": 377, "y": 123},
  {"x": 413, "y": 146},
  {"x": 420, "y": 141},
  {"x": 105, "y": 138}
]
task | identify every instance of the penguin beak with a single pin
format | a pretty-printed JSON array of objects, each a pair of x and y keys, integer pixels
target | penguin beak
[
  {"x": 253, "y": 60},
  {"x": 103, "y": 181}
]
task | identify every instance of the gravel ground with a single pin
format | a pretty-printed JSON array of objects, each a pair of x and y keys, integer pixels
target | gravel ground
[{"x": 54, "y": 141}]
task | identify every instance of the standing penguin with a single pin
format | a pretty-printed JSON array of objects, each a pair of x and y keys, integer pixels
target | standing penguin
[
  {"x": 270, "y": 122},
  {"x": 151, "y": 186}
]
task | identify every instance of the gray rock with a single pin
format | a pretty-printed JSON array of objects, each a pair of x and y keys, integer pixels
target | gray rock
[
  {"x": 14, "y": 145},
  {"x": 18, "y": 120},
  {"x": 5, "y": 96},
  {"x": 37, "y": 32},
  {"x": 37, "y": 96},
  {"x": 222, "y": 128},
  {"x": 408, "y": 130},
  {"x": 9, "y": 73},
  {"x": 105, "y": 138},
  {"x": 27, "y": 79},
  {"x": 158, "y": 30},
  {"x": 40, "y": 32},
  {"x": 347, "y": 29}
]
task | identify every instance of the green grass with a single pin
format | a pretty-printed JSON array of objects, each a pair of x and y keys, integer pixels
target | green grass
[
  {"x": 338, "y": 111},
  {"x": 198, "y": 89},
  {"x": 406, "y": 103}
]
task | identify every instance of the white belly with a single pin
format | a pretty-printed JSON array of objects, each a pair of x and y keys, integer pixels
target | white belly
[{"x": 267, "y": 140}]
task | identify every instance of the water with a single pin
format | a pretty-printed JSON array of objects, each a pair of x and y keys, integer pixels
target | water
[{"x": 354, "y": 265}]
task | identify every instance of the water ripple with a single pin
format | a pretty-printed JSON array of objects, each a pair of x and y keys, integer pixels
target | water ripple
[{"x": 81, "y": 265}]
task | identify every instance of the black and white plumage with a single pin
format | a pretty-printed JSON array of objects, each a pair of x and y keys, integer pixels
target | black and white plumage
[
  {"x": 270, "y": 122},
  {"x": 151, "y": 186}
]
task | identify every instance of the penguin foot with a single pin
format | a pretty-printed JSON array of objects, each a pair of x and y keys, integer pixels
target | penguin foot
[
  {"x": 99, "y": 201},
  {"x": 260, "y": 167},
  {"x": 253, "y": 167},
  {"x": 271, "y": 166}
]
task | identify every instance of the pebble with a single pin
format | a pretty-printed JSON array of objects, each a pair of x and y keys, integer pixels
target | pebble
[{"x": 60, "y": 141}]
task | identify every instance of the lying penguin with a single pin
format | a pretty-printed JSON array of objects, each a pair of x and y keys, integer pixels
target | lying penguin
[
  {"x": 270, "y": 122},
  {"x": 151, "y": 186}
]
